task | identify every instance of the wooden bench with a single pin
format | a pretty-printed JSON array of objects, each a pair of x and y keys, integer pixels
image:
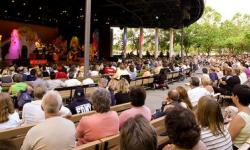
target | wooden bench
[
  {"x": 95, "y": 145},
  {"x": 159, "y": 125},
  {"x": 17, "y": 135}
]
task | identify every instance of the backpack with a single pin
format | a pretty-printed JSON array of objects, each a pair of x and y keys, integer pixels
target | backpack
[{"x": 23, "y": 99}]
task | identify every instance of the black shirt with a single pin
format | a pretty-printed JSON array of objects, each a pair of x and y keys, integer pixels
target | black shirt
[
  {"x": 122, "y": 98},
  {"x": 79, "y": 105}
]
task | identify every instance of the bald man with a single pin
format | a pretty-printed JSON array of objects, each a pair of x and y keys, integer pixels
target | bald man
[
  {"x": 55, "y": 132},
  {"x": 172, "y": 100}
]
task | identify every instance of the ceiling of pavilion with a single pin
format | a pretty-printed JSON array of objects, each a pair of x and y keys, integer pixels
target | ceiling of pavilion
[{"x": 120, "y": 13}]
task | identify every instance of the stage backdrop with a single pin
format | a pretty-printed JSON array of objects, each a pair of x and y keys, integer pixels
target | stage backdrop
[{"x": 45, "y": 34}]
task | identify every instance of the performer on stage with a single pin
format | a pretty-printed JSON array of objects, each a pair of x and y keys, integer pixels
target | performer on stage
[{"x": 74, "y": 49}]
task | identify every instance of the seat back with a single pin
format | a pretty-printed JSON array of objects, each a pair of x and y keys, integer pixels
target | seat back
[
  {"x": 15, "y": 135},
  {"x": 95, "y": 145},
  {"x": 111, "y": 143}
]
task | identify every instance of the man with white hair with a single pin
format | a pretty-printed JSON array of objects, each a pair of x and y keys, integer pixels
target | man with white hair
[{"x": 55, "y": 132}]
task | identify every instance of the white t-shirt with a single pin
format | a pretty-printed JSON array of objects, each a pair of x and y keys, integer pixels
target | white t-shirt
[
  {"x": 243, "y": 77},
  {"x": 87, "y": 81},
  {"x": 13, "y": 121},
  {"x": 32, "y": 112},
  {"x": 72, "y": 82},
  {"x": 196, "y": 93}
]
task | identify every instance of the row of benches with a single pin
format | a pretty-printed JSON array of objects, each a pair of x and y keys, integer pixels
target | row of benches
[
  {"x": 17, "y": 135},
  {"x": 113, "y": 142}
]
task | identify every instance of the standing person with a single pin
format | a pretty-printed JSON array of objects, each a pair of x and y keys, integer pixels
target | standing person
[
  {"x": 138, "y": 97},
  {"x": 101, "y": 124},
  {"x": 45, "y": 135},
  {"x": 9, "y": 118},
  {"x": 213, "y": 132},
  {"x": 239, "y": 127}
]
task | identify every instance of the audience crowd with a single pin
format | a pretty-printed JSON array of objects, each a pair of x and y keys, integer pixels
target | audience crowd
[{"x": 194, "y": 119}]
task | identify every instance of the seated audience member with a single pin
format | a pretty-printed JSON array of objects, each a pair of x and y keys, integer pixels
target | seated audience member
[
  {"x": 39, "y": 80},
  {"x": 108, "y": 69},
  {"x": 132, "y": 72},
  {"x": 32, "y": 75},
  {"x": 102, "y": 82},
  {"x": 239, "y": 127},
  {"x": 101, "y": 124},
  {"x": 242, "y": 75},
  {"x": 247, "y": 71},
  {"x": 227, "y": 84},
  {"x": 146, "y": 72},
  {"x": 45, "y": 72},
  {"x": 33, "y": 113},
  {"x": 138, "y": 134},
  {"x": 172, "y": 100},
  {"x": 94, "y": 71},
  {"x": 80, "y": 73},
  {"x": 196, "y": 92},
  {"x": 79, "y": 103},
  {"x": 60, "y": 74},
  {"x": 6, "y": 76},
  {"x": 112, "y": 88},
  {"x": 71, "y": 81},
  {"x": 87, "y": 81},
  {"x": 213, "y": 75},
  {"x": 18, "y": 86},
  {"x": 9, "y": 118},
  {"x": 186, "y": 103},
  {"x": 120, "y": 71},
  {"x": 205, "y": 72},
  {"x": 54, "y": 83},
  {"x": 122, "y": 95},
  {"x": 207, "y": 84},
  {"x": 182, "y": 130},
  {"x": 137, "y": 96},
  {"x": 159, "y": 80},
  {"x": 55, "y": 132},
  {"x": 213, "y": 132}
]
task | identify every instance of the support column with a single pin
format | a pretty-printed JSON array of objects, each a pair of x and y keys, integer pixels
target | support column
[
  {"x": 156, "y": 43},
  {"x": 171, "y": 43},
  {"x": 141, "y": 42},
  {"x": 87, "y": 37},
  {"x": 124, "y": 40},
  {"x": 182, "y": 38}
]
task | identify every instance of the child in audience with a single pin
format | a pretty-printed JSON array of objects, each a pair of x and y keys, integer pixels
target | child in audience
[{"x": 213, "y": 132}]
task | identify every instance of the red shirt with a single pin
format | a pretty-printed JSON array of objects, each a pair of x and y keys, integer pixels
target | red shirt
[
  {"x": 109, "y": 70},
  {"x": 61, "y": 75}
]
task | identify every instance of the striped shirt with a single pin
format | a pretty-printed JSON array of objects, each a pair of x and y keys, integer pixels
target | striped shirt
[{"x": 216, "y": 142}]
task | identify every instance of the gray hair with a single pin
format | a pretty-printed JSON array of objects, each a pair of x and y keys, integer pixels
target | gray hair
[
  {"x": 52, "y": 102},
  {"x": 101, "y": 100}
]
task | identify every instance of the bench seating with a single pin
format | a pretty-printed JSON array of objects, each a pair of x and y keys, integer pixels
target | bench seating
[
  {"x": 17, "y": 135},
  {"x": 113, "y": 142}
]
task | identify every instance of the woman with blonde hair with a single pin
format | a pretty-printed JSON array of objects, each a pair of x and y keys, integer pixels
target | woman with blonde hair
[
  {"x": 122, "y": 95},
  {"x": 210, "y": 119},
  {"x": 206, "y": 83},
  {"x": 185, "y": 101},
  {"x": 9, "y": 118}
]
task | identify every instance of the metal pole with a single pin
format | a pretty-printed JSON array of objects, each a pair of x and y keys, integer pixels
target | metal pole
[
  {"x": 124, "y": 42},
  {"x": 182, "y": 34},
  {"x": 171, "y": 44},
  {"x": 156, "y": 42},
  {"x": 141, "y": 42},
  {"x": 87, "y": 37}
]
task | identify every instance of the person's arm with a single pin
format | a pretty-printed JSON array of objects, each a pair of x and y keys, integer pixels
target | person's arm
[{"x": 235, "y": 126}]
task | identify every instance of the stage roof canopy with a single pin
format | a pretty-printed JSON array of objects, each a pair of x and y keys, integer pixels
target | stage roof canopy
[{"x": 131, "y": 13}]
